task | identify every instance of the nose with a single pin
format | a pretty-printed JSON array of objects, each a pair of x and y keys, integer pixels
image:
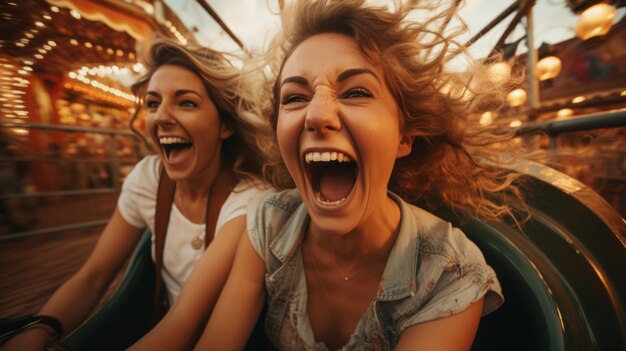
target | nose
[
  {"x": 163, "y": 116},
  {"x": 322, "y": 115}
]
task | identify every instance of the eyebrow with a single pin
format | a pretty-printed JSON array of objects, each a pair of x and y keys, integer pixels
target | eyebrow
[
  {"x": 176, "y": 93},
  {"x": 340, "y": 78},
  {"x": 355, "y": 71},
  {"x": 295, "y": 79}
]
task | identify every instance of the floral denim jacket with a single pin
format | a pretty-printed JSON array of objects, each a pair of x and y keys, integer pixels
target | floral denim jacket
[{"x": 433, "y": 271}]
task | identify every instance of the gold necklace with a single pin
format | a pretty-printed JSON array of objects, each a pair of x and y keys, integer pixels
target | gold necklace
[
  {"x": 347, "y": 277},
  {"x": 365, "y": 268},
  {"x": 196, "y": 243}
]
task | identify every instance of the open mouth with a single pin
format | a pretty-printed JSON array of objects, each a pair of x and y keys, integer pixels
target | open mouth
[
  {"x": 332, "y": 175},
  {"x": 175, "y": 148}
]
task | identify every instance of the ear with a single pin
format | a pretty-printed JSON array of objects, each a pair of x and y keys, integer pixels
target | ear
[
  {"x": 225, "y": 131},
  {"x": 405, "y": 146}
]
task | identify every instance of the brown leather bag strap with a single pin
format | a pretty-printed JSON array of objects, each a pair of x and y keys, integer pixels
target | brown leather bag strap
[
  {"x": 218, "y": 193},
  {"x": 221, "y": 188},
  {"x": 164, "y": 201}
]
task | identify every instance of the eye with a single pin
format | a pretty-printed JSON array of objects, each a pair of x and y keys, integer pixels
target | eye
[
  {"x": 188, "y": 103},
  {"x": 290, "y": 99},
  {"x": 357, "y": 93},
  {"x": 152, "y": 105}
]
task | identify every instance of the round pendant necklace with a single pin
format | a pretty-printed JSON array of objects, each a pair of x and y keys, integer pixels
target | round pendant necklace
[{"x": 196, "y": 243}]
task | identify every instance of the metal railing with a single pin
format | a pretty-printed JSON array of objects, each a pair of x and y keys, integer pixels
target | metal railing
[
  {"x": 112, "y": 160},
  {"x": 595, "y": 159},
  {"x": 583, "y": 123},
  {"x": 552, "y": 129}
]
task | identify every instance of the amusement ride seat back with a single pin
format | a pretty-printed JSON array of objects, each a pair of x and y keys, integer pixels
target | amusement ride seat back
[
  {"x": 561, "y": 275},
  {"x": 127, "y": 315}
]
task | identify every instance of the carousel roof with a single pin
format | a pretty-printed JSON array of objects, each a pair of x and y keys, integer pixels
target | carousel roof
[
  {"x": 90, "y": 44},
  {"x": 47, "y": 38}
]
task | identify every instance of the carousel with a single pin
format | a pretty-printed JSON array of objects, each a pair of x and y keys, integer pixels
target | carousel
[{"x": 66, "y": 67}]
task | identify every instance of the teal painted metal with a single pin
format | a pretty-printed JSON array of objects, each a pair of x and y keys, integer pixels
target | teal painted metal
[
  {"x": 562, "y": 276},
  {"x": 529, "y": 318},
  {"x": 126, "y": 316}
]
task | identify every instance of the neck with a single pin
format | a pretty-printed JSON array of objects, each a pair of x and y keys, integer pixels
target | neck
[
  {"x": 199, "y": 186},
  {"x": 194, "y": 194}
]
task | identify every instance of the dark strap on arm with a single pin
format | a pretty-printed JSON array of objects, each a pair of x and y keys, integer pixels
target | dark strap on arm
[
  {"x": 218, "y": 193},
  {"x": 221, "y": 188}
]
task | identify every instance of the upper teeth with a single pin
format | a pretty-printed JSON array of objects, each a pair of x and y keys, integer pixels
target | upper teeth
[
  {"x": 326, "y": 156},
  {"x": 172, "y": 140}
]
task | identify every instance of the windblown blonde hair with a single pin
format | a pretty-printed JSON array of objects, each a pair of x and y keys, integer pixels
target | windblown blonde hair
[
  {"x": 252, "y": 149},
  {"x": 455, "y": 162}
]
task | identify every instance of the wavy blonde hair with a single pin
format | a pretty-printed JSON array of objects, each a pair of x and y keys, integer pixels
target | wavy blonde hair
[
  {"x": 455, "y": 162},
  {"x": 252, "y": 148}
]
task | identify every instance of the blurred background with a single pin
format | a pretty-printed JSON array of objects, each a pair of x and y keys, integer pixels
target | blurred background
[{"x": 66, "y": 67}]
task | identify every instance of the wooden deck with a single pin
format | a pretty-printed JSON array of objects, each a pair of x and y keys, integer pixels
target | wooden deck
[{"x": 32, "y": 268}]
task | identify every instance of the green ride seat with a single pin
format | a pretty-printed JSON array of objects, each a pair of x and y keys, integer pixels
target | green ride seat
[
  {"x": 126, "y": 316},
  {"x": 562, "y": 276}
]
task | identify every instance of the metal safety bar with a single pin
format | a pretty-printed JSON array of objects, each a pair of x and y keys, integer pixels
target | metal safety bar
[{"x": 583, "y": 123}]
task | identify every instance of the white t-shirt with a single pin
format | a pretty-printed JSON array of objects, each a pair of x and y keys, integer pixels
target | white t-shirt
[{"x": 137, "y": 204}]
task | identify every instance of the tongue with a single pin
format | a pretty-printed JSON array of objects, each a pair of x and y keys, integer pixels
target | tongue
[
  {"x": 335, "y": 183},
  {"x": 177, "y": 154}
]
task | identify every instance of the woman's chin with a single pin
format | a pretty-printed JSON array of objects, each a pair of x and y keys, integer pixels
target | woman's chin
[{"x": 337, "y": 217}]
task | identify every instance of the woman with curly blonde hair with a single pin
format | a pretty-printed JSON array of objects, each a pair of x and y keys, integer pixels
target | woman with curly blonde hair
[
  {"x": 212, "y": 147},
  {"x": 368, "y": 122}
]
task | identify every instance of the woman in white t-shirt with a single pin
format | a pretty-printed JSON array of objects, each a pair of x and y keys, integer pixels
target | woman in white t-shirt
[{"x": 202, "y": 120}]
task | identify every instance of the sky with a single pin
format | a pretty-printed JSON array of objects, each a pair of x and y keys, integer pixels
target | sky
[{"x": 256, "y": 21}]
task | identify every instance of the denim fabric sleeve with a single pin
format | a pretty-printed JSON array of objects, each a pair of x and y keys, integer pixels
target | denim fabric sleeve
[
  {"x": 255, "y": 224},
  {"x": 458, "y": 276}
]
